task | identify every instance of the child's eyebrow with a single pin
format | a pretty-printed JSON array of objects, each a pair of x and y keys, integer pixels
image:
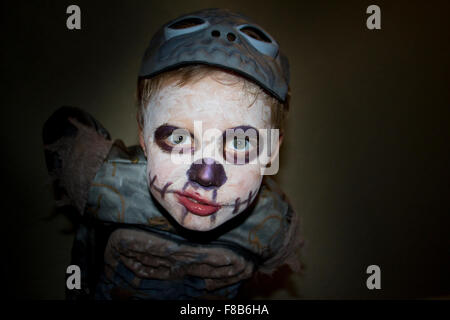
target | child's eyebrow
[
  {"x": 165, "y": 130},
  {"x": 244, "y": 128}
]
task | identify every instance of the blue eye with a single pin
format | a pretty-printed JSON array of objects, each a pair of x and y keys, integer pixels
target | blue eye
[
  {"x": 178, "y": 138},
  {"x": 240, "y": 144}
]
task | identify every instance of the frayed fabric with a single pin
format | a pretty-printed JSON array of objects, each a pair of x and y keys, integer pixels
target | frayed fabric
[{"x": 81, "y": 156}]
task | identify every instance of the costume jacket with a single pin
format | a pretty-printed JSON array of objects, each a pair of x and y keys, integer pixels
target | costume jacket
[{"x": 128, "y": 247}]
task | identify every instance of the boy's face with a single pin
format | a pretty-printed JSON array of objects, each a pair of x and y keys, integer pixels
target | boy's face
[{"x": 198, "y": 188}]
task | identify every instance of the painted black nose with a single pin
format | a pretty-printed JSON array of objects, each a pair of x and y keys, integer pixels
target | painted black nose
[{"x": 207, "y": 173}]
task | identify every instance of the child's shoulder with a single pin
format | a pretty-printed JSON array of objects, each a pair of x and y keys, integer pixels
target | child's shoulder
[{"x": 75, "y": 145}]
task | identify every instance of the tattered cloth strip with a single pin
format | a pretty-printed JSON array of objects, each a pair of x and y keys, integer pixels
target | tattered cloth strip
[
  {"x": 153, "y": 260},
  {"x": 80, "y": 157}
]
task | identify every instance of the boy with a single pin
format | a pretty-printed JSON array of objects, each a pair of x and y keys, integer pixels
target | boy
[{"x": 187, "y": 214}]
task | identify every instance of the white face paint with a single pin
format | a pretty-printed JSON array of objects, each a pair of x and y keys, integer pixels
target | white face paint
[{"x": 205, "y": 195}]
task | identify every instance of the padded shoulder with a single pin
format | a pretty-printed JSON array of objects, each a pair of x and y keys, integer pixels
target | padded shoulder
[{"x": 75, "y": 145}]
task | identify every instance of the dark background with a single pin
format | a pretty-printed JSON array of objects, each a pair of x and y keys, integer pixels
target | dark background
[{"x": 366, "y": 155}]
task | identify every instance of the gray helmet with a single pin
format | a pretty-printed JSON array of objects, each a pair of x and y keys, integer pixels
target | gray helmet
[{"x": 219, "y": 38}]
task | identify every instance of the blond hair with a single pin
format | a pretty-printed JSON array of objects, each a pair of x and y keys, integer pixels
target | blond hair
[{"x": 192, "y": 73}]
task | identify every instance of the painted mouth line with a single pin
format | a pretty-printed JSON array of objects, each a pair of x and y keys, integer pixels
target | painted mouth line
[
  {"x": 196, "y": 204},
  {"x": 202, "y": 207}
]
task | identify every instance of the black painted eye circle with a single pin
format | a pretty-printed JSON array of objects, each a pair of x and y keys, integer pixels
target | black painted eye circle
[{"x": 215, "y": 33}]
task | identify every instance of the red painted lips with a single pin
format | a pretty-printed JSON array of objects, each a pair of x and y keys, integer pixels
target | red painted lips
[{"x": 197, "y": 205}]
